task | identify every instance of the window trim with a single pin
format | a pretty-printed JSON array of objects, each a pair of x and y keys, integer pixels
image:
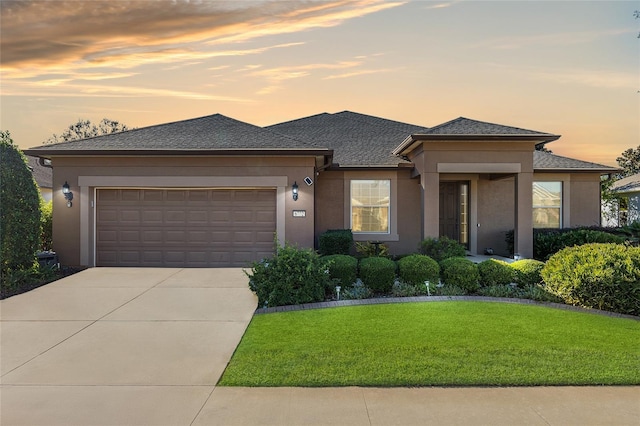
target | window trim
[{"x": 392, "y": 177}]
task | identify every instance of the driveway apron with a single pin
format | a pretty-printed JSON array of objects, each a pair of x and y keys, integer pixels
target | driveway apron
[{"x": 115, "y": 346}]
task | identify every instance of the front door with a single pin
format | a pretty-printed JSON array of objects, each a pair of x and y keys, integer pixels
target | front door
[{"x": 454, "y": 211}]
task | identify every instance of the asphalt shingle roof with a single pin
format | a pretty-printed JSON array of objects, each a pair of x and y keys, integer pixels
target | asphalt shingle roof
[
  {"x": 357, "y": 139},
  {"x": 466, "y": 126},
  {"x": 547, "y": 161},
  {"x": 628, "y": 184},
  {"x": 213, "y": 132},
  {"x": 42, "y": 175}
]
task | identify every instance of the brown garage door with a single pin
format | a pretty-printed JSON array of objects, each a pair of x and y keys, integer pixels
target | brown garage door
[{"x": 184, "y": 228}]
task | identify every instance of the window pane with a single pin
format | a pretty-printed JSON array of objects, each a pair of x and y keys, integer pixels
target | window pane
[
  {"x": 546, "y": 218},
  {"x": 370, "y": 205},
  {"x": 547, "y": 194},
  {"x": 547, "y": 204},
  {"x": 370, "y": 219}
]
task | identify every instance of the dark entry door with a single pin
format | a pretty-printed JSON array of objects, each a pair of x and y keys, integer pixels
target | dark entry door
[
  {"x": 454, "y": 211},
  {"x": 450, "y": 210}
]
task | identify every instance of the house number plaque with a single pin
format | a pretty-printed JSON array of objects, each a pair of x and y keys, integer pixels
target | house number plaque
[{"x": 299, "y": 213}]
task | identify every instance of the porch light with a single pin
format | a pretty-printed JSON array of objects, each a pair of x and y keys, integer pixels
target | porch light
[
  {"x": 68, "y": 195},
  {"x": 294, "y": 191}
]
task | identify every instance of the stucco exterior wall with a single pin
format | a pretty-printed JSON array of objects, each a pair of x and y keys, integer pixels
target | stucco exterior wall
[
  {"x": 73, "y": 227},
  {"x": 584, "y": 199},
  {"x": 332, "y": 206},
  {"x": 496, "y": 204}
]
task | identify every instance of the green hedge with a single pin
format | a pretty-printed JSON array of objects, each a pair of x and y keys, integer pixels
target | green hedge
[
  {"x": 342, "y": 268},
  {"x": 19, "y": 210},
  {"x": 418, "y": 268},
  {"x": 547, "y": 242},
  {"x": 527, "y": 272},
  {"x": 602, "y": 276},
  {"x": 460, "y": 272},
  {"x": 335, "y": 241},
  {"x": 495, "y": 272},
  {"x": 378, "y": 274}
]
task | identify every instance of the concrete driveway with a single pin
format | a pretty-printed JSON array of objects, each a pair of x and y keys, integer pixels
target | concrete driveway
[{"x": 116, "y": 346}]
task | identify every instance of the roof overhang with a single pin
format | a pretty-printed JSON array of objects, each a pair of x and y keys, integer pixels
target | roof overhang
[
  {"x": 411, "y": 142},
  {"x": 323, "y": 157}
]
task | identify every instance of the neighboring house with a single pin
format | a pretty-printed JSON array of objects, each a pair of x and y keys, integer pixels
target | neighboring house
[
  {"x": 214, "y": 191},
  {"x": 629, "y": 189},
  {"x": 43, "y": 176}
]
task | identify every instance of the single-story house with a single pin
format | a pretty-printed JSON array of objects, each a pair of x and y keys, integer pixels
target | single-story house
[
  {"x": 214, "y": 191},
  {"x": 629, "y": 189}
]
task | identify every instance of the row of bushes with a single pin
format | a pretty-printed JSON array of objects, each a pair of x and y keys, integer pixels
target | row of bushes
[
  {"x": 547, "y": 242},
  {"x": 602, "y": 276},
  {"x": 295, "y": 276}
]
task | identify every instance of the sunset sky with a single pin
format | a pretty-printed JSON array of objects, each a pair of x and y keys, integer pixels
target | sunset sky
[{"x": 570, "y": 68}]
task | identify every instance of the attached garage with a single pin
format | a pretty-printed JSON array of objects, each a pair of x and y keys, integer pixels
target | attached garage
[{"x": 184, "y": 227}]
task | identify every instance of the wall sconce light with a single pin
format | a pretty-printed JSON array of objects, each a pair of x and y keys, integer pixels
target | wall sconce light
[
  {"x": 294, "y": 191},
  {"x": 68, "y": 195}
]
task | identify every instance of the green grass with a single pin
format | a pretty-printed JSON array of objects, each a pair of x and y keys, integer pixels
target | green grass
[{"x": 436, "y": 344}]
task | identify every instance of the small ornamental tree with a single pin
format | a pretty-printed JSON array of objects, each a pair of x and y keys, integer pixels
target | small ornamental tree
[{"x": 19, "y": 209}]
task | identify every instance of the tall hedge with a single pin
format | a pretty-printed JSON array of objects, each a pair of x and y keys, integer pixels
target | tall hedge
[
  {"x": 601, "y": 276},
  {"x": 19, "y": 209}
]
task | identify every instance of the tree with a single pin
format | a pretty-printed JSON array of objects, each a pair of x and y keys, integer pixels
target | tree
[
  {"x": 19, "y": 209},
  {"x": 84, "y": 129},
  {"x": 629, "y": 162}
]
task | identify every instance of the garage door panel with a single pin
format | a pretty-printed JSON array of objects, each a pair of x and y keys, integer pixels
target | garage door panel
[
  {"x": 130, "y": 216},
  {"x": 130, "y": 195},
  {"x": 184, "y": 228}
]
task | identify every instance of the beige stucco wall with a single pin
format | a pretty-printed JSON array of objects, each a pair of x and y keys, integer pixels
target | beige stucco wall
[
  {"x": 332, "y": 206},
  {"x": 496, "y": 204},
  {"x": 73, "y": 227}
]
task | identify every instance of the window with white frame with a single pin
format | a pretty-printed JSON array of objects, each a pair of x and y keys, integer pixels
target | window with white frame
[
  {"x": 370, "y": 204},
  {"x": 547, "y": 204}
]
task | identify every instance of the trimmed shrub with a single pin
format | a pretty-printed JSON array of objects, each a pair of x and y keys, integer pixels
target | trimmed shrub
[
  {"x": 343, "y": 269},
  {"x": 495, "y": 272},
  {"x": 601, "y": 276},
  {"x": 442, "y": 248},
  {"x": 378, "y": 273},
  {"x": 335, "y": 241},
  {"x": 418, "y": 268},
  {"x": 460, "y": 272},
  {"x": 291, "y": 277},
  {"x": 19, "y": 209},
  {"x": 527, "y": 271}
]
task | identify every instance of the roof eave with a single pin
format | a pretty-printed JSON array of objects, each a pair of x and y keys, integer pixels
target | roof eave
[
  {"x": 43, "y": 153},
  {"x": 413, "y": 140},
  {"x": 574, "y": 170}
]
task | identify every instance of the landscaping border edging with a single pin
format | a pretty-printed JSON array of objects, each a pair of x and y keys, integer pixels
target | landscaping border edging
[{"x": 385, "y": 300}]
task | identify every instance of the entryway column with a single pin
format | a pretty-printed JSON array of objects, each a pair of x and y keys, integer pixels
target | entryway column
[
  {"x": 523, "y": 244},
  {"x": 431, "y": 205}
]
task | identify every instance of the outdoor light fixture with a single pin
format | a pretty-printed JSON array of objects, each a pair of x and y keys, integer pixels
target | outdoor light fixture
[
  {"x": 68, "y": 195},
  {"x": 294, "y": 191}
]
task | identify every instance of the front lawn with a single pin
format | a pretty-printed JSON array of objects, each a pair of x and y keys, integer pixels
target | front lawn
[{"x": 437, "y": 343}]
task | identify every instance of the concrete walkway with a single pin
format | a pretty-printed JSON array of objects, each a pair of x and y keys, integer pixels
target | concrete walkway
[{"x": 134, "y": 346}]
